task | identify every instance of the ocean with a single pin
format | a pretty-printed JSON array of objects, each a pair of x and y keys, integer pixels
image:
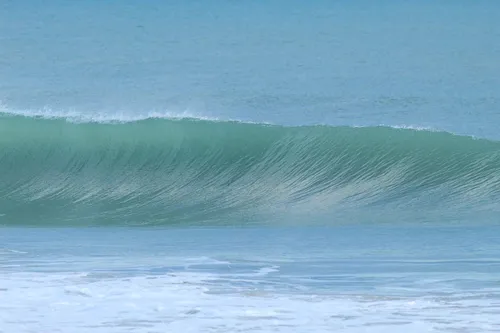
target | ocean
[{"x": 251, "y": 166}]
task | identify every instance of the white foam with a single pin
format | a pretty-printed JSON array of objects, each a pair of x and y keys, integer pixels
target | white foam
[
  {"x": 33, "y": 302},
  {"x": 110, "y": 117},
  {"x": 104, "y": 117},
  {"x": 415, "y": 127}
]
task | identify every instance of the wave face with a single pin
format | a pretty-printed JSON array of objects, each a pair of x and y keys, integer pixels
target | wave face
[{"x": 164, "y": 171}]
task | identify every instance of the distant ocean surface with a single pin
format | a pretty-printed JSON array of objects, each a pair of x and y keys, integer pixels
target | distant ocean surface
[{"x": 249, "y": 166}]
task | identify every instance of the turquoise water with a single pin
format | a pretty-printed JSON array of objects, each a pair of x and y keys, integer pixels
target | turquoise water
[{"x": 249, "y": 166}]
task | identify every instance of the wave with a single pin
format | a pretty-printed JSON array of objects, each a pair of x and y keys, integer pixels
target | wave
[{"x": 172, "y": 171}]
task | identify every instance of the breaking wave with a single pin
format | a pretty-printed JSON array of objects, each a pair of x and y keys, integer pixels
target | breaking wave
[{"x": 170, "y": 171}]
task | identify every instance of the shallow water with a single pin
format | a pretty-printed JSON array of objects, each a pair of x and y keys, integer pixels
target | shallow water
[{"x": 345, "y": 278}]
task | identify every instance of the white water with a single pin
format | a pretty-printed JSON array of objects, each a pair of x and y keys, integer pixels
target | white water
[
  {"x": 340, "y": 279},
  {"x": 198, "y": 303}
]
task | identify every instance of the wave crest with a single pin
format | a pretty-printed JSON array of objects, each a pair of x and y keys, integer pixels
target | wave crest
[{"x": 167, "y": 171}]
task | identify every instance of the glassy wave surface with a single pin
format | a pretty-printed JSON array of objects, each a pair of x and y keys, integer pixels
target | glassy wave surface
[{"x": 195, "y": 171}]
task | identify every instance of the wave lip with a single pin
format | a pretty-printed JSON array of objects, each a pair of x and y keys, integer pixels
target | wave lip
[{"x": 168, "y": 171}]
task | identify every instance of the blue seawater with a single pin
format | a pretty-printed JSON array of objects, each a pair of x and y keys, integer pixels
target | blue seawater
[{"x": 251, "y": 166}]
